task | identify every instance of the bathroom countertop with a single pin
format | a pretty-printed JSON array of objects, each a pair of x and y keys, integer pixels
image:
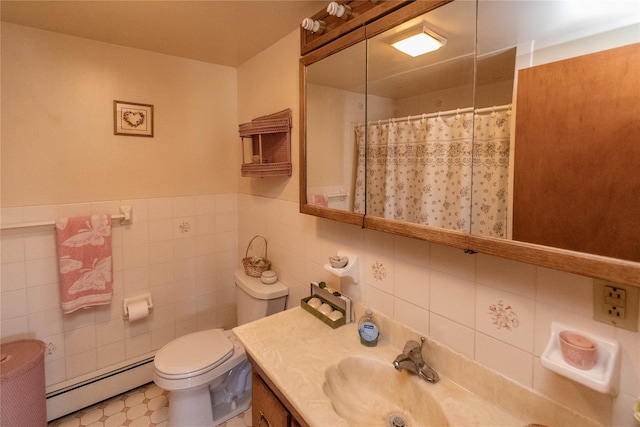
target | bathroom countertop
[{"x": 294, "y": 349}]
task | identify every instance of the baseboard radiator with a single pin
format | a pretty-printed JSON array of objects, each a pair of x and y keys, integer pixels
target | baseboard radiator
[{"x": 75, "y": 397}]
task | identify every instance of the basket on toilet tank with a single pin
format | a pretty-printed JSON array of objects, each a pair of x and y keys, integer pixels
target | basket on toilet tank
[{"x": 255, "y": 265}]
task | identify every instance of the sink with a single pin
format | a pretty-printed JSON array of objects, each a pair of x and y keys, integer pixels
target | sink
[{"x": 370, "y": 392}]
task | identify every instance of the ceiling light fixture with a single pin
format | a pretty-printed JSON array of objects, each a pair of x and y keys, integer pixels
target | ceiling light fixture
[{"x": 423, "y": 42}]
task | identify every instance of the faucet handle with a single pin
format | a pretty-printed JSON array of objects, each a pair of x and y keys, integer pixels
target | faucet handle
[{"x": 412, "y": 347}]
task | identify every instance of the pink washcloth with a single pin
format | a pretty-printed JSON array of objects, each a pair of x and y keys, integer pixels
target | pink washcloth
[
  {"x": 84, "y": 251},
  {"x": 320, "y": 200}
]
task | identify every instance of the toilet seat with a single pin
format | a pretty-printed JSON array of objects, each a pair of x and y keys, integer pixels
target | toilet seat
[{"x": 193, "y": 354}]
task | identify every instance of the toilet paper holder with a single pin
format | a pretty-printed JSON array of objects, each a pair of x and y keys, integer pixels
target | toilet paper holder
[{"x": 127, "y": 301}]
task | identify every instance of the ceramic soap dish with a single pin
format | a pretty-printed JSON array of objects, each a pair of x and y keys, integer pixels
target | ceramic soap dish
[{"x": 602, "y": 376}]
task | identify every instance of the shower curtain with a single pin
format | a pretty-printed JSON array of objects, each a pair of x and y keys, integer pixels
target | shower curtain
[{"x": 421, "y": 169}]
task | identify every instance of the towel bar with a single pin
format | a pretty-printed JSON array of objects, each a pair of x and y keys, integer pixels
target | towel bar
[{"x": 125, "y": 217}]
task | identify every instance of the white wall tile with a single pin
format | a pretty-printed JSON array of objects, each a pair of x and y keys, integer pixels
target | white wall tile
[
  {"x": 14, "y": 304},
  {"x": 412, "y": 251},
  {"x": 74, "y": 209},
  {"x": 40, "y": 245},
  {"x": 43, "y": 298},
  {"x": 226, "y": 221},
  {"x": 206, "y": 224},
  {"x": 46, "y": 323},
  {"x": 379, "y": 301},
  {"x": 161, "y": 273},
  {"x": 12, "y": 216},
  {"x": 411, "y": 283},
  {"x": 226, "y": 203},
  {"x": 507, "y": 317},
  {"x": 184, "y": 248},
  {"x": 135, "y": 255},
  {"x": 412, "y": 316},
  {"x": 454, "y": 262},
  {"x": 184, "y": 269},
  {"x": 453, "y": 298},
  {"x": 110, "y": 354},
  {"x": 137, "y": 346},
  {"x": 505, "y": 359},
  {"x": 514, "y": 277},
  {"x": 184, "y": 227},
  {"x": 573, "y": 395},
  {"x": 12, "y": 247},
  {"x": 160, "y": 208},
  {"x": 454, "y": 335},
  {"x": 183, "y": 206},
  {"x": 15, "y": 328},
  {"x": 135, "y": 281},
  {"x": 41, "y": 271},
  {"x": 567, "y": 291},
  {"x": 14, "y": 276},
  {"x": 160, "y": 251},
  {"x": 435, "y": 289},
  {"x": 160, "y": 229},
  {"x": 109, "y": 332},
  {"x": 80, "y": 340},
  {"x": 55, "y": 371},
  {"x": 139, "y": 209},
  {"x": 379, "y": 272},
  {"x": 205, "y": 204}
]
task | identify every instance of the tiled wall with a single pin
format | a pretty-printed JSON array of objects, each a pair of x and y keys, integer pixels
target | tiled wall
[
  {"x": 183, "y": 250},
  {"x": 494, "y": 311}
]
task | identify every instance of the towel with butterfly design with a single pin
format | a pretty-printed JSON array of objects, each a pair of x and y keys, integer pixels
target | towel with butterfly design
[{"x": 84, "y": 261}]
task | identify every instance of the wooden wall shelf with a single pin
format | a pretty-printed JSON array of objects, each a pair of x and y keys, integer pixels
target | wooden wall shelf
[{"x": 266, "y": 145}]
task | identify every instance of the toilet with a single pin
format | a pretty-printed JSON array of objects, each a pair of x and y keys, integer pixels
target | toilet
[{"x": 207, "y": 372}]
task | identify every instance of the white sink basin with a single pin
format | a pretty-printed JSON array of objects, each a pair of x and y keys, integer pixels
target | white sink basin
[{"x": 369, "y": 392}]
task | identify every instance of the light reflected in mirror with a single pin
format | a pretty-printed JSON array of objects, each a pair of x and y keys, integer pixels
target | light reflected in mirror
[{"x": 466, "y": 73}]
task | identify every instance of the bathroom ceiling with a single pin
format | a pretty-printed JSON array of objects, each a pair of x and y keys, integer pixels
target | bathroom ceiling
[
  {"x": 230, "y": 32},
  {"x": 221, "y": 32}
]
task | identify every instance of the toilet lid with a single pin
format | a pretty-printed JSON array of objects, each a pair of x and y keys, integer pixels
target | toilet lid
[{"x": 193, "y": 353}]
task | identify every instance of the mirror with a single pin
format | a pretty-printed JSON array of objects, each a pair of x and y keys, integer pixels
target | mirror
[{"x": 465, "y": 74}]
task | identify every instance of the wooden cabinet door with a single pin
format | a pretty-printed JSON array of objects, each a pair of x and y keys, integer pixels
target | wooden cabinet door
[
  {"x": 267, "y": 410},
  {"x": 577, "y": 154}
]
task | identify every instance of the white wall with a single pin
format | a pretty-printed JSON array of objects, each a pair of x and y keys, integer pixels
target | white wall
[
  {"x": 58, "y": 144},
  {"x": 439, "y": 291},
  {"x": 60, "y": 158}
]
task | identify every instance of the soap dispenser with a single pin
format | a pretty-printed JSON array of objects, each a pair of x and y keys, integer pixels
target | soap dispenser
[{"x": 369, "y": 329}]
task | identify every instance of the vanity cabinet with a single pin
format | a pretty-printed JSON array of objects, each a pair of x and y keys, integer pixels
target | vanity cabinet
[{"x": 270, "y": 408}]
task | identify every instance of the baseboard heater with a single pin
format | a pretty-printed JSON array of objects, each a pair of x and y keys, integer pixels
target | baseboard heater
[{"x": 86, "y": 393}]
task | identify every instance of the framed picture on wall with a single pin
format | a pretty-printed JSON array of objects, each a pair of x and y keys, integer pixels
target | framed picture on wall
[{"x": 132, "y": 119}]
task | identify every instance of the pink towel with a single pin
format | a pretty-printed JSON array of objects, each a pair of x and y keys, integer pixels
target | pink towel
[
  {"x": 84, "y": 251},
  {"x": 320, "y": 200}
]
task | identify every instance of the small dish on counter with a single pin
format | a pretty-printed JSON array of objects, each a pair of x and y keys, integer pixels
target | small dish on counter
[{"x": 268, "y": 277}]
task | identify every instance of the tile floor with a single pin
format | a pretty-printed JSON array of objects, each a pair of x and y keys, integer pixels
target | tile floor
[{"x": 147, "y": 406}]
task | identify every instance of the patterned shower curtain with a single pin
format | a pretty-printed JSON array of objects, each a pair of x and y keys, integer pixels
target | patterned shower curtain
[
  {"x": 420, "y": 170},
  {"x": 491, "y": 173}
]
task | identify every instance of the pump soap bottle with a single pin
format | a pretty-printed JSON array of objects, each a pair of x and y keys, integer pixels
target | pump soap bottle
[{"x": 369, "y": 329}]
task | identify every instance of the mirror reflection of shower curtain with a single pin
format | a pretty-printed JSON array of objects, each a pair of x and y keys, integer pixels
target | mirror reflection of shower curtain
[
  {"x": 491, "y": 173},
  {"x": 419, "y": 170}
]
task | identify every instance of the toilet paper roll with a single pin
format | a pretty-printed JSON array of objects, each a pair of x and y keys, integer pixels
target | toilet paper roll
[{"x": 137, "y": 310}]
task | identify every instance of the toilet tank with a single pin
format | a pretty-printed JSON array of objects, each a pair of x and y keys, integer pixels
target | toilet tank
[{"x": 256, "y": 300}]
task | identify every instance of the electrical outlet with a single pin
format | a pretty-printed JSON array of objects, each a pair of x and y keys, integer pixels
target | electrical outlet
[{"x": 615, "y": 304}]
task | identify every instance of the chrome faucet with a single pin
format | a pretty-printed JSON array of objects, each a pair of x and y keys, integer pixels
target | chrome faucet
[{"x": 411, "y": 360}]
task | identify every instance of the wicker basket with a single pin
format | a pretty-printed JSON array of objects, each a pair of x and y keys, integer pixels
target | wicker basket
[{"x": 252, "y": 268}]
